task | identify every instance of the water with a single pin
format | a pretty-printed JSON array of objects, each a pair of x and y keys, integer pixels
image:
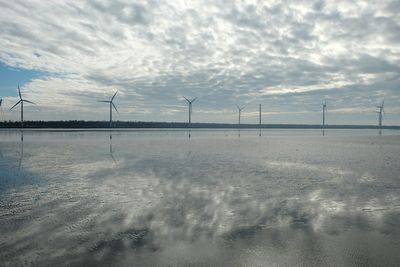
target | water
[{"x": 158, "y": 198}]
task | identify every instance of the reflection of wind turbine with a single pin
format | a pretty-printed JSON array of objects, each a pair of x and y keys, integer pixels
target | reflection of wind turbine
[
  {"x": 240, "y": 111},
  {"x": 112, "y": 150},
  {"x": 190, "y": 102},
  {"x": 21, "y": 155},
  {"x": 21, "y": 101},
  {"x": 381, "y": 112},
  {"x": 111, "y": 106}
]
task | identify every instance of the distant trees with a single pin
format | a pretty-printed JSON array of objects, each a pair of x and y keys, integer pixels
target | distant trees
[{"x": 80, "y": 124}]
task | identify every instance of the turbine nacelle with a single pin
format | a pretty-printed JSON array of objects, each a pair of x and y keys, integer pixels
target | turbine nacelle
[
  {"x": 21, "y": 100},
  {"x": 190, "y": 101},
  {"x": 111, "y": 103},
  {"x": 240, "y": 108}
]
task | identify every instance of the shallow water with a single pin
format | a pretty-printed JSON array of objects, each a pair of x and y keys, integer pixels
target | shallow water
[{"x": 220, "y": 198}]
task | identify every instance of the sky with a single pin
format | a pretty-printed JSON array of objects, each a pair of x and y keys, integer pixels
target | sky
[{"x": 289, "y": 56}]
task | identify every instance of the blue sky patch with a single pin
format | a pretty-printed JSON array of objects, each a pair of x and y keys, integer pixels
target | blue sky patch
[{"x": 10, "y": 78}]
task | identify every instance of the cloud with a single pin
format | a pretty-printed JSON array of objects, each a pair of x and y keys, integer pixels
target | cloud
[{"x": 225, "y": 53}]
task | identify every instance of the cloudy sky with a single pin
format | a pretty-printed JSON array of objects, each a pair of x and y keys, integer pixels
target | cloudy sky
[{"x": 289, "y": 56}]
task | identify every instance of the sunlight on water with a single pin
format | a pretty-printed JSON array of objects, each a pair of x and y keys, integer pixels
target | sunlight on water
[{"x": 220, "y": 198}]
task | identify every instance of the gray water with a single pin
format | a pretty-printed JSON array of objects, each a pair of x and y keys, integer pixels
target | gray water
[{"x": 158, "y": 198}]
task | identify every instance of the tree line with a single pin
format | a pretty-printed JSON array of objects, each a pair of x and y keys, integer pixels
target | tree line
[{"x": 145, "y": 124}]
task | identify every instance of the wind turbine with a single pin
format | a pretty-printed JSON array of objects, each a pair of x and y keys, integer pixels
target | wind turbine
[
  {"x": 21, "y": 101},
  {"x": 240, "y": 111},
  {"x": 1, "y": 109},
  {"x": 190, "y": 102},
  {"x": 111, "y": 106},
  {"x": 380, "y": 112},
  {"x": 323, "y": 114},
  {"x": 259, "y": 122}
]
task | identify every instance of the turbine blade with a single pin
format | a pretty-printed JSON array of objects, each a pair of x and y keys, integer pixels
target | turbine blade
[
  {"x": 28, "y": 101},
  {"x": 114, "y": 95},
  {"x": 104, "y": 101},
  {"x": 186, "y": 99},
  {"x": 19, "y": 92},
  {"x": 15, "y": 105},
  {"x": 1, "y": 101},
  {"x": 194, "y": 99},
  {"x": 114, "y": 107}
]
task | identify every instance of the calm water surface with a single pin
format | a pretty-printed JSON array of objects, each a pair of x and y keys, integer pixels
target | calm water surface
[{"x": 220, "y": 198}]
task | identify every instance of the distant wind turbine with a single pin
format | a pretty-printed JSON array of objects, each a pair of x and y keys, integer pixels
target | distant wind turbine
[
  {"x": 1, "y": 109},
  {"x": 323, "y": 114},
  {"x": 111, "y": 106},
  {"x": 381, "y": 112},
  {"x": 190, "y": 102},
  {"x": 240, "y": 111},
  {"x": 21, "y": 101},
  {"x": 259, "y": 134}
]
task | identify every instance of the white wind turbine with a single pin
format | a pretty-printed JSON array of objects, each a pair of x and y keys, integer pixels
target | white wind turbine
[
  {"x": 324, "y": 114},
  {"x": 111, "y": 106},
  {"x": 190, "y": 102},
  {"x": 240, "y": 112},
  {"x": 1, "y": 109},
  {"x": 21, "y": 101},
  {"x": 381, "y": 112}
]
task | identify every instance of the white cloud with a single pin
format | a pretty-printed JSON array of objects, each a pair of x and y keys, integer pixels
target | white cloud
[{"x": 224, "y": 52}]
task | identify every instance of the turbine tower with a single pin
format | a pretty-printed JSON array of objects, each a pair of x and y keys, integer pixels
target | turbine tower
[
  {"x": 111, "y": 106},
  {"x": 1, "y": 109},
  {"x": 240, "y": 111},
  {"x": 190, "y": 102},
  {"x": 380, "y": 112},
  {"x": 323, "y": 114},
  {"x": 21, "y": 101},
  {"x": 259, "y": 122}
]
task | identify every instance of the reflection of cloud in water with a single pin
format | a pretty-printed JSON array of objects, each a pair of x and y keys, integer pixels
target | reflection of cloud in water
[{"x": 196, "y": 208}]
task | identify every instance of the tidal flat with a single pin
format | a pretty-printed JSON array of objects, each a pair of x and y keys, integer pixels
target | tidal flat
[{"x": 218, "y": 198}]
